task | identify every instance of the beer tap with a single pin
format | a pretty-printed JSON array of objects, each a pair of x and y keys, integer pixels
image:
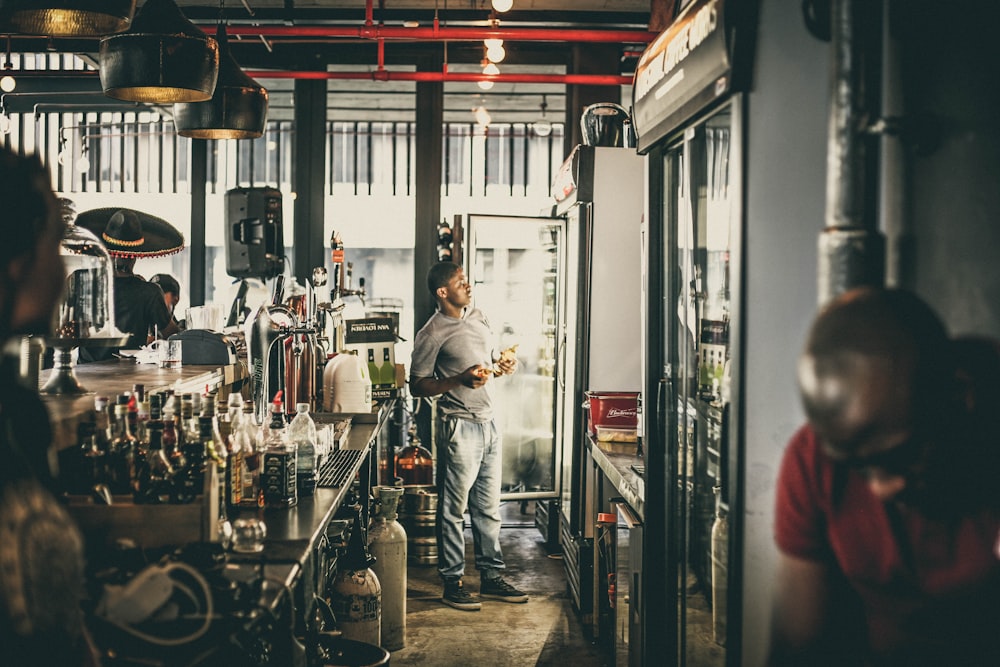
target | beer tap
[{"x": 360, "y": 291}]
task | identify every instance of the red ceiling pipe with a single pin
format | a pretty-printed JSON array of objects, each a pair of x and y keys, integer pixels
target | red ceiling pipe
[
  {"x": 471, "y": 77},
  {"x": 437, "y": 33}
]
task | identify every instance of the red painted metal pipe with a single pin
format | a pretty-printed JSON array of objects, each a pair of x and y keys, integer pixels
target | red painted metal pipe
[
  {"x": 446, "y": 34},
  {"x": 471, "y": 77}
]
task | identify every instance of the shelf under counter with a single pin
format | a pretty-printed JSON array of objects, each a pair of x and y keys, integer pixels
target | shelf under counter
[{"x": 618, "y": 468}]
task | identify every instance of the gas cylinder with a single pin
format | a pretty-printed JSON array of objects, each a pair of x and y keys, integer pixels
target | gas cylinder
[
  {"x": 720, "y": 565},
  {"x": 356, "y": 594},
  {"x": 387, "y": 544}
]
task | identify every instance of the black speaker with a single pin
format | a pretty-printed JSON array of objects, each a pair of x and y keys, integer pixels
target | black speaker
[{"x": 255, "y": 243}]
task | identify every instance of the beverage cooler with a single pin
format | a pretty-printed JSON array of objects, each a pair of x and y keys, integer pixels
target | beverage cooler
[
  {"x": 566, "y": 290},
  {"x": 688, "y": 113}
]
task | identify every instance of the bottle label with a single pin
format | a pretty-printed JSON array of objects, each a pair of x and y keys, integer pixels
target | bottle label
[{"x": 278, "y": 479}]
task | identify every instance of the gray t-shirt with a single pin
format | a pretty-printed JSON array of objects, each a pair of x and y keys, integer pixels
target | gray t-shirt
[{"x": 445, "y": 347}]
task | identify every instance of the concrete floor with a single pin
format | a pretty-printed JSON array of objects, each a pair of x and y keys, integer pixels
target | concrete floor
[{"x": 544, "y": 631}]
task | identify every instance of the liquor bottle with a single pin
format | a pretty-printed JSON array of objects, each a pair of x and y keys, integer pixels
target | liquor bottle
[
  {"x": 121, "y": 453},
  {"x": 387, "y": 369},
  {"x": 278, "y": 477},
  {"x": 229, "y": 447},
  {"x": 94, "y": 447},
  {"x": 302, "y": 434},
  {"x": 372, "y": 367},
  {"x": 246, "y": 435},
  {"x": 156, "y": 476}
]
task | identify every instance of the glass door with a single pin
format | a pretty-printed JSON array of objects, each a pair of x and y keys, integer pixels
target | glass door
[
  {"x": 514, "y": 265},
  {"x": 697, "y": 319}
]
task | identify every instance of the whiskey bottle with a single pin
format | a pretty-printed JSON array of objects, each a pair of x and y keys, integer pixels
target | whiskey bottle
[{"x": 278, "y": 477}]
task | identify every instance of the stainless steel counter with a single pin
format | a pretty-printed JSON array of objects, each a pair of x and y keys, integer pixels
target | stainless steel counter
[{"x": 618, "y": 469}]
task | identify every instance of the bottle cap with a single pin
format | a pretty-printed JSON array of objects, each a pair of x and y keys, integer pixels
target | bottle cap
[{"x": 301, "y": 407}]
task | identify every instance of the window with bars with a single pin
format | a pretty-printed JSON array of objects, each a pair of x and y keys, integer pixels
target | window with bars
[{"x": 139, "y": 152}]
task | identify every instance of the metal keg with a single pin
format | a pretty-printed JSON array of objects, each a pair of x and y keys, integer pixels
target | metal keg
[{"x": 417, "y": 515}]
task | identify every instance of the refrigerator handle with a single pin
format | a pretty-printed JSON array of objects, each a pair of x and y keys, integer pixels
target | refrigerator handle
[
  {"x": 664, "y": 392},
  {"x": 561, "y": 356}
]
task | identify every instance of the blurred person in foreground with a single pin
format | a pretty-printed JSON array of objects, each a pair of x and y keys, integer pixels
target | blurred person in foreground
[
  {"x": 454, "y": 359},
  {"x": 41, "y": 549},
  {"x": 888, "y": 502}
]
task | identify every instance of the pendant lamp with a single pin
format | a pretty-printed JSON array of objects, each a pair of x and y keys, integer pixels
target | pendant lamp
[
  {"x": 163, "y": 58},
  {"x": 67, "y": 18},
  {"x": 237, "y": 110}
]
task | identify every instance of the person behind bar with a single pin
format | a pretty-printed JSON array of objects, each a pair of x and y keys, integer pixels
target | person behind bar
[
  {"x": 41, "y": 549},
  {"x": 140, "y": 308},
  {"x": 453, "y": 358},
  {"x": 888, "y": 509},
  {"x": 171, "y": 296}
]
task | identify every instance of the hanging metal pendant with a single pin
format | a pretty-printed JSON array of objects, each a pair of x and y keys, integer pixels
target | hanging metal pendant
[{"x": 163, "y": 58}]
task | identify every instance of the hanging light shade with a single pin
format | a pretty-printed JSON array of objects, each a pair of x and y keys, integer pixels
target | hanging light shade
[
  {"x": 237, "y": 110},
  {"x": 67, "y": 18},
  {"x": 163, "y": 58}
]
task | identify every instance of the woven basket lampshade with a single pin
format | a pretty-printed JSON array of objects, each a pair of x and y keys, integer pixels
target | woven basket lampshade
[
  {"x": 66, "y": 18},
  {"x": 162, "y": 59},
  {"x": 237, "y": 110}
]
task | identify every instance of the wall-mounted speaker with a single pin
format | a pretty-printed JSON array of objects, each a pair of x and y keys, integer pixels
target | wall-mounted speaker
[{"x": 255, "y": 244}]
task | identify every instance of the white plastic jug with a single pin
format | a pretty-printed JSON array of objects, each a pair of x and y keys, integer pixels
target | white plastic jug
[{"x": 347, "y": 386}]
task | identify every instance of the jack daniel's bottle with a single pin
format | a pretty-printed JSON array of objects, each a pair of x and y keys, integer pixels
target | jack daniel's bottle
[{"x": 278, "y": 478}]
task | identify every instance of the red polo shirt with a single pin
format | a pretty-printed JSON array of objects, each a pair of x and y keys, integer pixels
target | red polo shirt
[{"x": 932, "y": 595}]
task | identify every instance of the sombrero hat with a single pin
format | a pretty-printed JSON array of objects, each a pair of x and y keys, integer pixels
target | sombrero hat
[{"x": 126, "y": 232}]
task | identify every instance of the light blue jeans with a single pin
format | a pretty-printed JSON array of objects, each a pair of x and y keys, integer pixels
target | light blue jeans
[{"x": 468, "y": 474}]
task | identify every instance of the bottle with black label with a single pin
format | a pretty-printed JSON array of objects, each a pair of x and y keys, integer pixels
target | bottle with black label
[{"x": 278, "y": 478}]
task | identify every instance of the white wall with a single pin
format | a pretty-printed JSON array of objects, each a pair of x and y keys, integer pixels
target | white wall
[{"x": 786, "y": 169}]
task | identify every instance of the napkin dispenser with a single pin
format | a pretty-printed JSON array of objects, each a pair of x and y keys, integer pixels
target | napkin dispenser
[{"x": 204, "y": 347}]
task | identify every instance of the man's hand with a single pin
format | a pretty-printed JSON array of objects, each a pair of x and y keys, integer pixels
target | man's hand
[{"x": 476, "y": 376}]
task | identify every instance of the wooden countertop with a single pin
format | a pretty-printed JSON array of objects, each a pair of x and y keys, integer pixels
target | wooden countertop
[{"x": 108, "y": 378}]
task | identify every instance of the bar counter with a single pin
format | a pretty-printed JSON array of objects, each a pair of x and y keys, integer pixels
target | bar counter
[{"x": 108, "y": 378}]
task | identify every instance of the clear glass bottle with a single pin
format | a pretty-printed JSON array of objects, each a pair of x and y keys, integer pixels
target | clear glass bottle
[
  {"x": 157, "y": 474},
  {"x": 302, "y": 434},
  {"x": 278, "y": 477},
  {"x": 247, "y": 436}
]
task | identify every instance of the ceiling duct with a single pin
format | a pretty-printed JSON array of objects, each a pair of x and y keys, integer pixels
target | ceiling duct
[
  {"x": 67, "y": 18},
  {"x": 163, "y": 58}
]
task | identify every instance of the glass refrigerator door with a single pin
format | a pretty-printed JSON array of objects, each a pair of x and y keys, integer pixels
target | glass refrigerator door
[
  {"x": 514, "y": 267},
  {"x": 697, "y": 319}
]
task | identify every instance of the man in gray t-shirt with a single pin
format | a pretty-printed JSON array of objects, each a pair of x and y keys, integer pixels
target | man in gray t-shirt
[{"x": 453, "y": 358}]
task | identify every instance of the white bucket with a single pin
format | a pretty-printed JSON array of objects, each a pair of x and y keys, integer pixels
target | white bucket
[{"x": 347, "y": 386}]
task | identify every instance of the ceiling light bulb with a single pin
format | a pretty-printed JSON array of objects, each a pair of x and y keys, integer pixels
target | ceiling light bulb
[
  {"x": 83, "y": 164},
  {"x": 490, "y": 43},
  {"x": 7, "y": 83},
  {"x": 65, "y": 156},
  {"x": 542, "y": 128},
  {"x": 503, "y": 5},
  {"x": 482, "y": 115},
  {"x": 495, "y": 52},
  {"x": 491, "y": 69},
  {"x": 485, "y": 85}
]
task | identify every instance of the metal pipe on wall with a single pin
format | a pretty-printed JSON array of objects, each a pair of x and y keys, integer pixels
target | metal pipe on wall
[{"x": 851, "y": 249}]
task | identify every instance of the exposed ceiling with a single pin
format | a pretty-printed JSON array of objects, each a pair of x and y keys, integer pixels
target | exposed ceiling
[{"x": 268, "y": 47}]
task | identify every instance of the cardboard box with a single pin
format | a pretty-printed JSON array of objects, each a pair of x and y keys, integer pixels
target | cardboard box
[{"x": 374, "y": 339}]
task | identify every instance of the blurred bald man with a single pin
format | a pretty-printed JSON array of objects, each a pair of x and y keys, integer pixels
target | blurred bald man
[{"x": 888, "y": 507}]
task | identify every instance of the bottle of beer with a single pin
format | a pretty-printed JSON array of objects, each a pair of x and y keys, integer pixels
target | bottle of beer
[{"x": 278, "y": 478}]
